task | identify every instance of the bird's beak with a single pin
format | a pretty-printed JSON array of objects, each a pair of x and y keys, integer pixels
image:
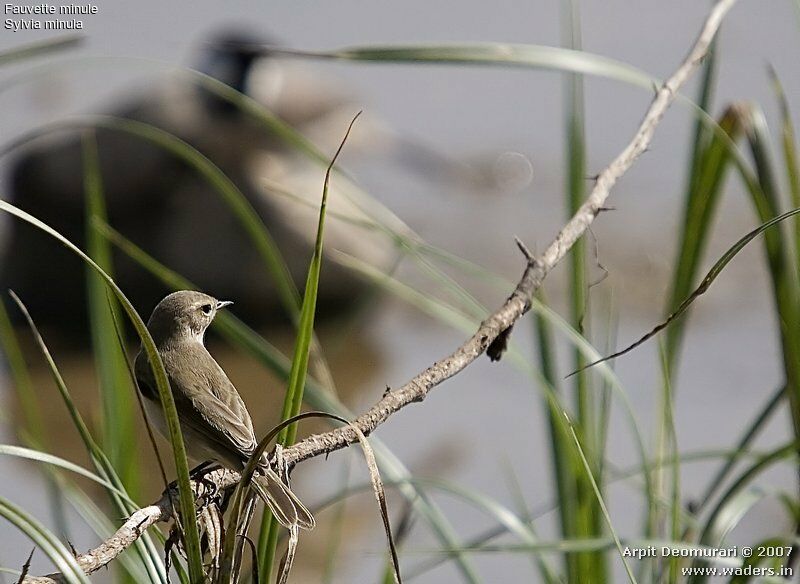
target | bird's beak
[{"x": 223, "y": 303}]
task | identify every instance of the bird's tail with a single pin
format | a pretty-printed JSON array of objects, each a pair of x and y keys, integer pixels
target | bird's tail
[{"x": 284, "y": 504}]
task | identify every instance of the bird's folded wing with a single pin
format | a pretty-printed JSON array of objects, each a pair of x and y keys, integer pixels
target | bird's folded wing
[{"x": 203, "y": 411}]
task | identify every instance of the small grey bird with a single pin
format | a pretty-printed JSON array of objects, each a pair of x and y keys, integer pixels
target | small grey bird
[{"x": 214, "y": 420}]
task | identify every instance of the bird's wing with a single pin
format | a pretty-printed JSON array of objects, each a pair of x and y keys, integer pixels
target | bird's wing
[{"x": 206, "y": 400}]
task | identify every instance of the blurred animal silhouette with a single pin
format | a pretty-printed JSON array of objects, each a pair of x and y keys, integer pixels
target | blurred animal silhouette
[{"x": 165, "y": 206}]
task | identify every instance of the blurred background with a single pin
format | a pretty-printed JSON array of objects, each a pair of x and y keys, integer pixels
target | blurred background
[{"x": 462, "y": 157}]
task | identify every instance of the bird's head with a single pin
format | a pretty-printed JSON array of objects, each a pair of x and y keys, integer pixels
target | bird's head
[{"x": 184, "y": 314}]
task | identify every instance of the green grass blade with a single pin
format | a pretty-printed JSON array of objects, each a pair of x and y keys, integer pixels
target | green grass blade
[
  {"x": 587, "y": 517},
  {"x": 118, "y": 335},
  {"x": 502, "y": 514},
  {"x": 11, "y": 572},
  {"x": 611, "y": 327},
  {"x": 297, "y": 375},
  {"x": 742, "y": 447},
  {"x": 38, "y": 456},
  {"x": 560, "y": 453},
  {"x": 766, "y": 198},
  {"x": 701, "y": 135},
  {"x": 40, "y": 48},
  {"x": 522, "y": 511},
  {"x": 189, "y": 523},
  {"x": 729, "y": 497},
  {"x": 116, "y": 391},
  {"x": 786, "y": 289},
  {"x": 782, "y": 265},
  {"x": 710, "y": 163},
  {"x": 601, "y": 502},
  {"x": 667, "y": 447},
  {"x": 790, "y": 160},
  {"x": 46, "y": 541},
  {"x": 92, "y": 447},
  {"x": 31, "y": 427},
  {"x": 503, "y": 54},
  {"x": 293, "y": 401}
]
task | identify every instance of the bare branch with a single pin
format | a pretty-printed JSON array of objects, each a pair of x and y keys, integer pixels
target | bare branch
[
  {"x": 498, "y": 324},
  {"x": 536, "y": 270}
]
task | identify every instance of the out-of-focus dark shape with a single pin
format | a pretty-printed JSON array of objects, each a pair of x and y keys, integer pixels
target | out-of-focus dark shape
[{"x": 163, "y": 205}]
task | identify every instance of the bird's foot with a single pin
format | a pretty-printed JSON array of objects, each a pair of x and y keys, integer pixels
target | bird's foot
[
  {"x": 200, "y": 470},
  {"x": 278, "y": 462}
]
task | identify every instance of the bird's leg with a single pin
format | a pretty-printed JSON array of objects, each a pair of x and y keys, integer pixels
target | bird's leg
[
  {"x": 172, "y": 541},
  {"x": 196, "y": 474},
  {"x": 211, "y": 521},
  {"x": 280, "y": 463},
  {"x": 241, "y": 535},
  {"x": 199, "y": 474},
  {"x": 199, "y": 469}
]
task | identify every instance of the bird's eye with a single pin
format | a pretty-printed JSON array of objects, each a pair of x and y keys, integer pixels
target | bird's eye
[{"x": 206, "y": 308}]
